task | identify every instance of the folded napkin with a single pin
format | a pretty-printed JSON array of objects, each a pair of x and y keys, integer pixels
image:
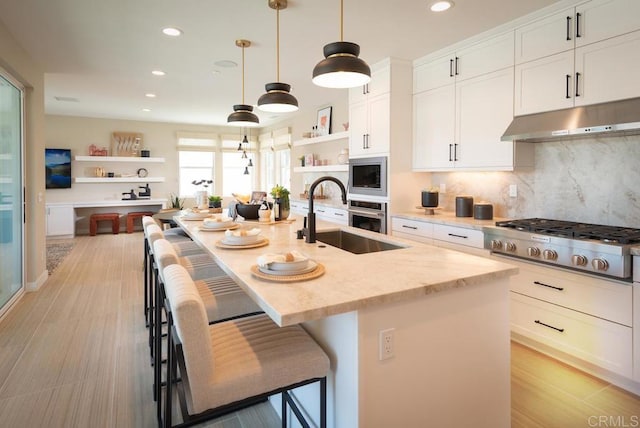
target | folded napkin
[
  {"x": 266, "y": 259},
  {"x": 238, "y": 233}
]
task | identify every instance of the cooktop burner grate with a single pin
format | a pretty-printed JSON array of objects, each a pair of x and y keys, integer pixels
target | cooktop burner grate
[{"x": 575, "y": 230}]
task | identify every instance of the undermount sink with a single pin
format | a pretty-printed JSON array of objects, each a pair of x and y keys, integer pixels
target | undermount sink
[{"x": 353, "y": 243}]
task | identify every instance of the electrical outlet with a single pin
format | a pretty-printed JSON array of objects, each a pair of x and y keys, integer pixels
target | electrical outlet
[
  {"x": 513, "y": 190},
  {"x": 443, "y": 188},
  {"x": 385, "y": 343}
]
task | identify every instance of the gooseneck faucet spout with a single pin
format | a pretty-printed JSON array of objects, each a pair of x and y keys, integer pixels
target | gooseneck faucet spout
[{"x": 310, "y": 231}]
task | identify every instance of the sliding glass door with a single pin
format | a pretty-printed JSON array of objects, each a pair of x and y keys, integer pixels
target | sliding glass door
[{"x": 11, "y": 195}]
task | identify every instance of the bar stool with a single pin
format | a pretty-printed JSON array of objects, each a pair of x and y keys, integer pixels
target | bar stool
[
  {"x": 222, "y": 298},
  {"x": 230, "y": 365},
  {"x": 114, "y": 218}
]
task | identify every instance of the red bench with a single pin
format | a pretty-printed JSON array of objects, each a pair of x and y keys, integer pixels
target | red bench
[
  {"x": 131, "y": 217},
  {"x": 114, "y": 218}
]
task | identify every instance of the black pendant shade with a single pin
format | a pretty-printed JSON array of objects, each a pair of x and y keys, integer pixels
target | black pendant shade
[
  {"x": 243, "y": 116},
  {"x": 278, "y": 99},
  {"x": 341, "y": 67}
]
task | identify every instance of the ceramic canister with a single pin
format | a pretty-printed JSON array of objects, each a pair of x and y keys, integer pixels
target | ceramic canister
[{"x": 464, "y": 206}]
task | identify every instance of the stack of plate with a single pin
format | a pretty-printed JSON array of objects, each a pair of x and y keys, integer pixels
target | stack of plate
[
  {"x": 242, "y": 237},
  {"x": 192, "y": 215},
  {"x": 298, "y": 266},
  {"x": 218, "y": 223}
]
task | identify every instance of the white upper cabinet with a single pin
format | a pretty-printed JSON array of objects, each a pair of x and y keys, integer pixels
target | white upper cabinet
[
  {"x": 458, "y": 125},
  {"x": 477, "y": 59},
  {"x": 544, "y": 84},
  {"x": 602, "y": 19},
  {"x": 582, "y": 55},
  {"x": 371, "y": 118},
  {"x": 608, "y": 70}
]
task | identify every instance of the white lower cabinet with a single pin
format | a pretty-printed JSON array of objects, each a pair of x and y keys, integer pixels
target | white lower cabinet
[
  {"x": 60, "y": 220},
  {"x": 334, "y": 215},
  {"x": 411, "y": 229},
  {"x": 299, "y": 207},
  {"x": 603, "y": 343}
]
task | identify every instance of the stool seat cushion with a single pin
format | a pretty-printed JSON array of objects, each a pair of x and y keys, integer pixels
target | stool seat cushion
[
  {"x": 229, "y": 361},
  {"x": 224, "y": 299}
]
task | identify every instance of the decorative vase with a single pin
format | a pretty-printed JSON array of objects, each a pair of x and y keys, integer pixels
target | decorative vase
[{"x": 202, "y": 199}]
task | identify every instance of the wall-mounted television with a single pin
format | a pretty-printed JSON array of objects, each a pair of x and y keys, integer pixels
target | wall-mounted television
[{"x": 57, "y": 163}]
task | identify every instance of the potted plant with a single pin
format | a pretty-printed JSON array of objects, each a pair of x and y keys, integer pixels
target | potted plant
[
  {"x": 215, "y": 201},
  {"x": 280, "y": 195},
  {"x": 175, "y": 202}
]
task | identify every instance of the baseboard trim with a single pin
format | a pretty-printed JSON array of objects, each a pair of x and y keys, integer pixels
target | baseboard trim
[{"x": 35, "y": 286}]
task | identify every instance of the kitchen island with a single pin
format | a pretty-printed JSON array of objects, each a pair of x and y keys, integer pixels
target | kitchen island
[{"x": 447, "y": 314}]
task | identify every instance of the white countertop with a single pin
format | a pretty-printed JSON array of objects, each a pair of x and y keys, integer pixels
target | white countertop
[
  {"x": 334, "y": 203},
  {"x": 448, "y": 218},
  {"x": 351, "y": 282}
]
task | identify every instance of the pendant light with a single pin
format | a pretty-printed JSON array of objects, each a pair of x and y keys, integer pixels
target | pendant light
[
  {"x": 242, "y": 113},
  {"x": 341, "y": 67},
  {"x": 278, "y": 99}
]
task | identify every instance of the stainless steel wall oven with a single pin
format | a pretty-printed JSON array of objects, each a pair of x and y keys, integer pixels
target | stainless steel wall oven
[{"x": 368, "y": 215}]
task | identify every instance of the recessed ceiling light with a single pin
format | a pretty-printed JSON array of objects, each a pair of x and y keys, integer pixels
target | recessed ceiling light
[
  {"x": 440, "y": 6},
  {"x": 150, "y": 95},
  {"x": 171, "y": 31},
  {"x": 225, "y": 63},
  {"x": 158, "y": 73},
  {"x": 146, "y": 109},
  {"x": 215, "y": 72}
]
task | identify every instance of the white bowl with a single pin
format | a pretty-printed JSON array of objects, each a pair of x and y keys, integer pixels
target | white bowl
[
  {"x": 242, "y": 240},
  {"x": 193, "y": 215},
  {"x": 213, "y": 224},
  {"x": 297, "y": 264}
]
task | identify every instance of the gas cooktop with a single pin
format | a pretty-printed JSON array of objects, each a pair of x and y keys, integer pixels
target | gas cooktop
[
  {"x": 575, "y": 230},
  {"x": 589, "y": 248}
]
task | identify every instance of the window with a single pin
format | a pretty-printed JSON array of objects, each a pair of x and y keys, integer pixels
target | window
[
  {"x": 195, "y": 165},
  {"x": 275, "y": 155},
  {"x": 234, "y": 180},
  {"x": 196, "y": 161}
]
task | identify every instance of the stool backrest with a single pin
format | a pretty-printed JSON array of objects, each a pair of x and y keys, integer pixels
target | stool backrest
[
  {"x": 191, "y": 324},
  {"x": 164, "y": 255},
  {"x": 153, "y": 233},
  {"x": 148, "y": 221}
]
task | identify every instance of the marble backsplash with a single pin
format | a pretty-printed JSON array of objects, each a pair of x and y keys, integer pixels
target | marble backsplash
[{"x": 594, "y": 180}]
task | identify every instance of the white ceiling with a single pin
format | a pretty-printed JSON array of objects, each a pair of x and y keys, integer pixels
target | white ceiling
[{"x": 102, "y": 52}]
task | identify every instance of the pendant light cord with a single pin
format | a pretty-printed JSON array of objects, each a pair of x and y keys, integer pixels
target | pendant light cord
[
  {"x": 341, "y": 20},
  {"x": 278, "y": 44},
  {"x": 243, "y": 74}
]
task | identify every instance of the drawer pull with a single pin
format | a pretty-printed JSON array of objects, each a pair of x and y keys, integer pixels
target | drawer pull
[
  {"x": 561, "y": 330},
  {"x": 549, "y": 286},
  {"x": 457, "y": 236},
  {"x": 339, "y": 214},
  {"x": 409, "y": 227}
]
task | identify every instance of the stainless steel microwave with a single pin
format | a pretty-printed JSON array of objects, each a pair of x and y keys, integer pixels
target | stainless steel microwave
[{"x": 368, "y": 176}]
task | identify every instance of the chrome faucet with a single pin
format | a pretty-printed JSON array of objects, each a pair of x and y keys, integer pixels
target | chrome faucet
[{"x": 309, "y": 230}]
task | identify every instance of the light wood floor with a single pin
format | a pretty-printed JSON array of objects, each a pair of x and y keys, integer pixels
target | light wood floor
[{"x": 74, "y": 354}]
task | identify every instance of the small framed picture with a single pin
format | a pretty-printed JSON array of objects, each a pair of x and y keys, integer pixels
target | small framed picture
[
  {"x": 324, "y": 121},
  {"x": 308, "y": 159}
]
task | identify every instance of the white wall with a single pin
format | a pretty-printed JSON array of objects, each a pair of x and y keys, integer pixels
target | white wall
[{"x": 14, "y": 60}]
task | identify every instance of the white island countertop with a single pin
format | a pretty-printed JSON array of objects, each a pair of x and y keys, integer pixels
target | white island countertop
[{"x": 351, "y": 281}]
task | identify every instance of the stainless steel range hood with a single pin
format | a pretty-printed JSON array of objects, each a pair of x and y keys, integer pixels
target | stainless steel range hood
[{"x": 613, "y": 118}]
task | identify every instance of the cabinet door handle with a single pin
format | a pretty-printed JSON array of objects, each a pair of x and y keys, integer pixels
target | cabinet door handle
[
  {"x": 578, "y": 15},
  {"x": 364, "y": 89},
  {"x": 561, "y": 330},
  {"x": 568, "y": 28},
  {"x": 455, "y": 152},
  {"x": 364, "y": 137},
  {"x": 409, "y": 227},
  {"x": 577, "y": 84},
  {"x": 450, "y": 159},
  {"x": 457, "y": 65},
  {"x": 568, "y": 79},
  {"x": 457, "y": 236},
  {"x": 450, "y": 68},
  {"x": 549, "y": 286}
]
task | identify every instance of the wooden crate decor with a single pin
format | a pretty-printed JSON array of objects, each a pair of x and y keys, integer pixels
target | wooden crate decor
[{"x": 126, "y": 144}]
